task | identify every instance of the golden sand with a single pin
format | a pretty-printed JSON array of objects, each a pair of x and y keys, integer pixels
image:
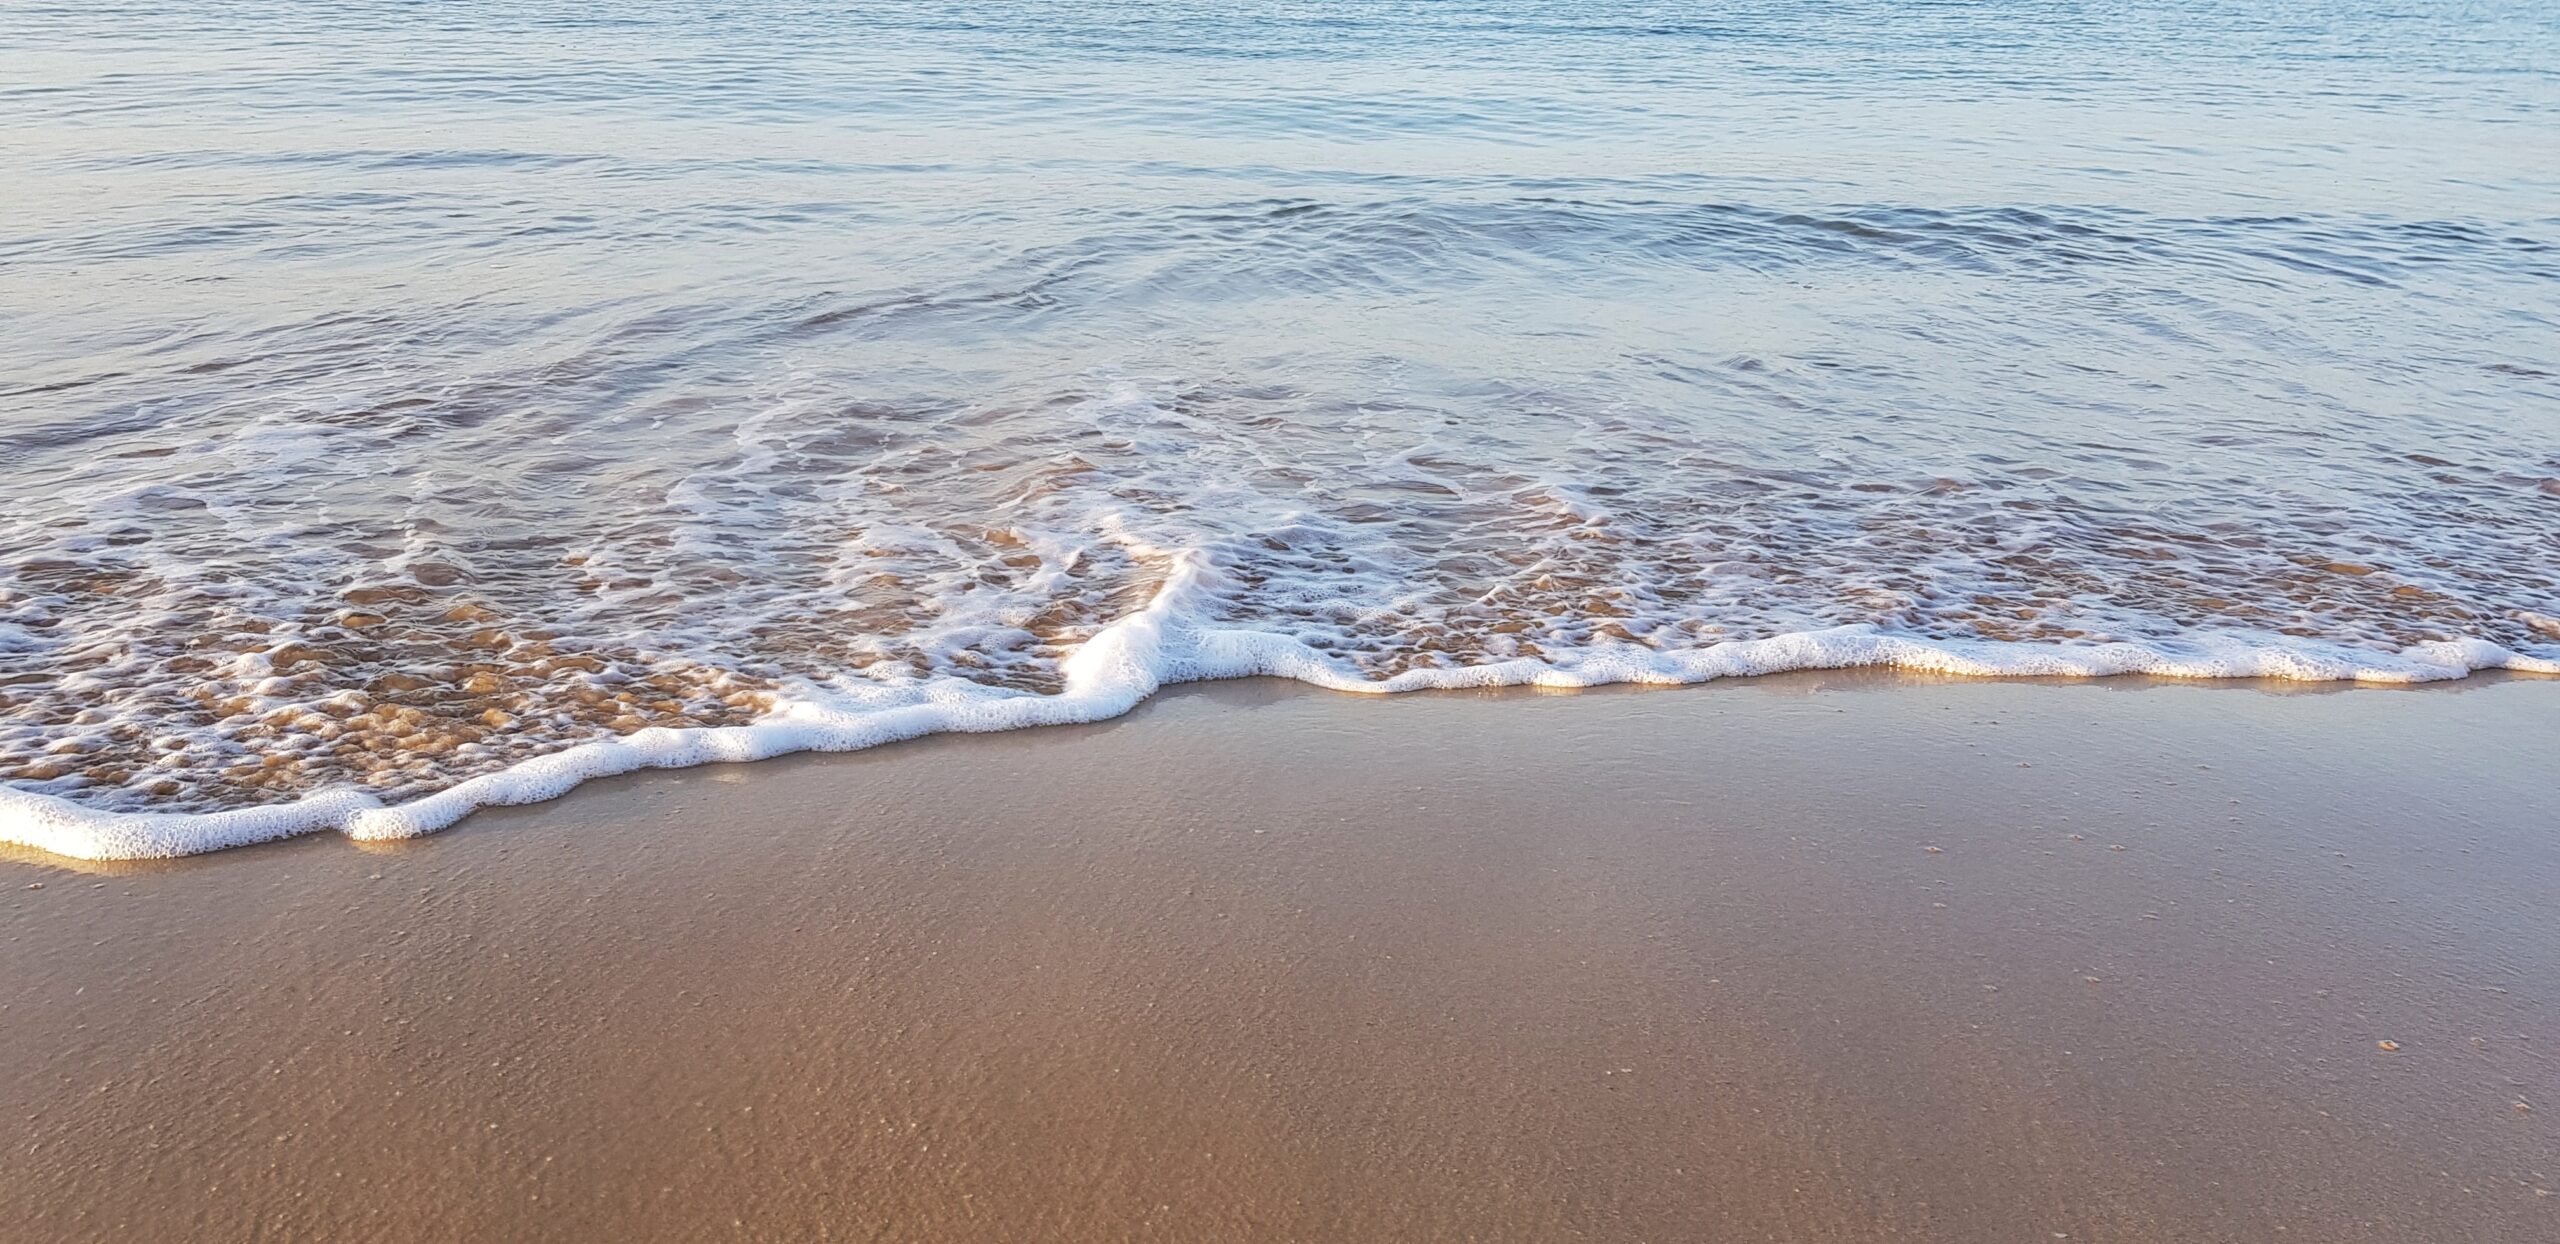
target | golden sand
[{"x": 1812, "y": 958}]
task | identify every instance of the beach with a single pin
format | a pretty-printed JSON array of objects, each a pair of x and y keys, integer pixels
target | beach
[
  {"x": 1340, "y": 621},
  {"x": 1825, "y": 956}
]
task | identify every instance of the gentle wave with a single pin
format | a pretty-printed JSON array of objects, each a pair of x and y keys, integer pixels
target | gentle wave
[
  {"x": 1169, "y": 642},
  {"x": 443, "y": 398}
]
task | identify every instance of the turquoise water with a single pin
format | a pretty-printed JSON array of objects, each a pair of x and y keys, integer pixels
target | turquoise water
[{"x": 396, "y": 394}]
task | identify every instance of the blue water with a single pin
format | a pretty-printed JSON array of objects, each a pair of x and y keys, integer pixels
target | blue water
[{"x": 396, "y": 393}]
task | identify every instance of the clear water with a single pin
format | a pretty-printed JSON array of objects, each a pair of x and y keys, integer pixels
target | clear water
[{"x": 396, "y": 394}]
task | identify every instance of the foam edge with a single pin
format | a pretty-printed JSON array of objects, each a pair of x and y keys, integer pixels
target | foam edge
[{"x": 1169, "y": 642}]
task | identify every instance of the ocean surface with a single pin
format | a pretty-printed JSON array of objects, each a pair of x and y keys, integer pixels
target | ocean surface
[{"x": 408, "y": 407}]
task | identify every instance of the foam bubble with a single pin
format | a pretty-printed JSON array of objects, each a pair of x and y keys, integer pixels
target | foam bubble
[{"x": 1172, "y": 640}]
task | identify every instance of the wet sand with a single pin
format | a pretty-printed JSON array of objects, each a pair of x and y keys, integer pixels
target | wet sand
[{"x": 1824, "y": 957}]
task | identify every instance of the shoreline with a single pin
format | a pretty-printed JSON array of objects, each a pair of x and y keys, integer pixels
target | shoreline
[
  {"x": 1160, "y": 647},
  {"x": 1820, "y": 956}
]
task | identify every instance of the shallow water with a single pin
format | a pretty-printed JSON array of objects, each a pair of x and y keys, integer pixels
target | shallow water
[{"x": 397, "y": 394}]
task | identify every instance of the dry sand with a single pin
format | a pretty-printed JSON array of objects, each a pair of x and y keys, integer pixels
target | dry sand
[{"x": 1813, "y": 958}]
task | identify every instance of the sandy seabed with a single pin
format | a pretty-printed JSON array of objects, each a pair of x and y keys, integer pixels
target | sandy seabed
[{"x": 1816, "y": 957}]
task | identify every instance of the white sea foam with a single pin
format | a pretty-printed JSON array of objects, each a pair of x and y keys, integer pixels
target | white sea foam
[
  {"x": 1171, "y": 641},
  {"x": 816, "y": 580}
]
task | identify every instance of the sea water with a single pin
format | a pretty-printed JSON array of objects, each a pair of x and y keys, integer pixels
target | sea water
[{"x": 413, "y": 407}]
